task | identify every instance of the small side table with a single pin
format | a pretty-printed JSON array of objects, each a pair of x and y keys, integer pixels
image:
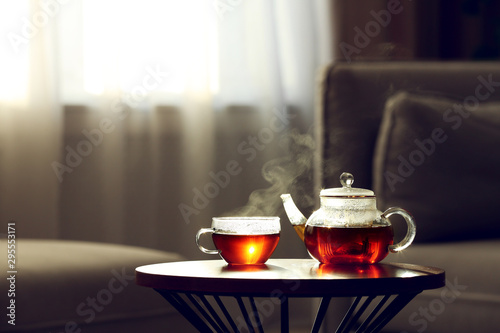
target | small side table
[{"x": 197, "y": 288}]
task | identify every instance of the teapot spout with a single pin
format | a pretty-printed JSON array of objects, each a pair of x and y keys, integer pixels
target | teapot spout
[{"x": 294, "y": 215}]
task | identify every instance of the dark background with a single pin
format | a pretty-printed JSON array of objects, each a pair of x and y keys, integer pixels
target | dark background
[{"x": 423, "y": 30}]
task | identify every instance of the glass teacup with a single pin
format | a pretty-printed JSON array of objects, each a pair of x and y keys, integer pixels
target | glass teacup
[{"x": 243, "y": 240}]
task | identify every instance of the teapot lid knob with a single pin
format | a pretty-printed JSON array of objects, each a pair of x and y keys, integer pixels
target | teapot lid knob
[{"x": 346, "y": 179}]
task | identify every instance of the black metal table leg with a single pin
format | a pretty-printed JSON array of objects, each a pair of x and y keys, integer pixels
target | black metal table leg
[
  {"x": 390, "y": 311},
  {"x": 258, "y": 322},
  {"x": 185, "y": 310},
  {"x": 204, "y": 313},
  {"x": 345, "y": 321},
  {"x": 285, "y": 326},
  {"x": 245, "y": 314},
  {"x": 213, "y": 313},
  {"x": 226, "y": 313},
  {"x": 320, "y": 315},
  {"x": 373, "y": 314},
  {"x": 205, "y": 318}
]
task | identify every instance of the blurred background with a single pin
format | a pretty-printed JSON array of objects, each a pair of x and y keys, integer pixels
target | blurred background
[{"x": 135, "y": 122}]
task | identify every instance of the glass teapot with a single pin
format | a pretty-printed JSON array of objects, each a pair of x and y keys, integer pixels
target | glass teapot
[{"x": 348, "y": 228}]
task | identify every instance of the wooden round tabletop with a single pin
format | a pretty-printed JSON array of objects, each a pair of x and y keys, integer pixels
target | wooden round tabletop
[{"x": 292, "y": 277}]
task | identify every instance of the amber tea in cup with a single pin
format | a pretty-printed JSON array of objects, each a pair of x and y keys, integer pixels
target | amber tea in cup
[{"x": 242, "y": 240}]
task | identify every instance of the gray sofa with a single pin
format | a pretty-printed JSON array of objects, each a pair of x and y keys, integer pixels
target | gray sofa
[
  {"x": 74, "y": 286},
  {"x": 425, "y": 136}
]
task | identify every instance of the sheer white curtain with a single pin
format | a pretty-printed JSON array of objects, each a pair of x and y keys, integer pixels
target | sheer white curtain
[
  {"x": 30, "y": 122},
  {"x": 137, "y": 121}
]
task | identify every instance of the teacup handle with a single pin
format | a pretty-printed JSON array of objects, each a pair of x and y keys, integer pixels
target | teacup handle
[
  {"x": 198, "y": 235},
  {"x": 410, "y": 233}
]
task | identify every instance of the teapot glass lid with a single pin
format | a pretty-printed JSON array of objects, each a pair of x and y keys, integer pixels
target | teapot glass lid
[{"x": 346, "y": 179}]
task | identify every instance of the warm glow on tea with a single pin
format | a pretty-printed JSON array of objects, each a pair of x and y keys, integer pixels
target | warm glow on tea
[
  {"x": 243, "y": 240},
  {"x": 245, "y": 249}
]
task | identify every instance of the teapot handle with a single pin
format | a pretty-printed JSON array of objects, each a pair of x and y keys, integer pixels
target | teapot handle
[{"x": 411, "y": 232}]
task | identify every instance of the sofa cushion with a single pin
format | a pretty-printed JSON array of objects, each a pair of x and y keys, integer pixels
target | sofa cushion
[
  {"x": 471, "y": 298},
  {"x": 438, "y": 158},
  {"x": 353, "y": 96},
  {"x": 74, "y": 286}
]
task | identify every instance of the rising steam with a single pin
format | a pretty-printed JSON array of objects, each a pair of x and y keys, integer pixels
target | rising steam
[{"x": 289, "y": 174}]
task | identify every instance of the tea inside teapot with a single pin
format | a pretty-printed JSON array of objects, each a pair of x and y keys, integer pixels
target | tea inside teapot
[
  {"x": 348, "y": 228},
  {"x": 348, "y": 245}
]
